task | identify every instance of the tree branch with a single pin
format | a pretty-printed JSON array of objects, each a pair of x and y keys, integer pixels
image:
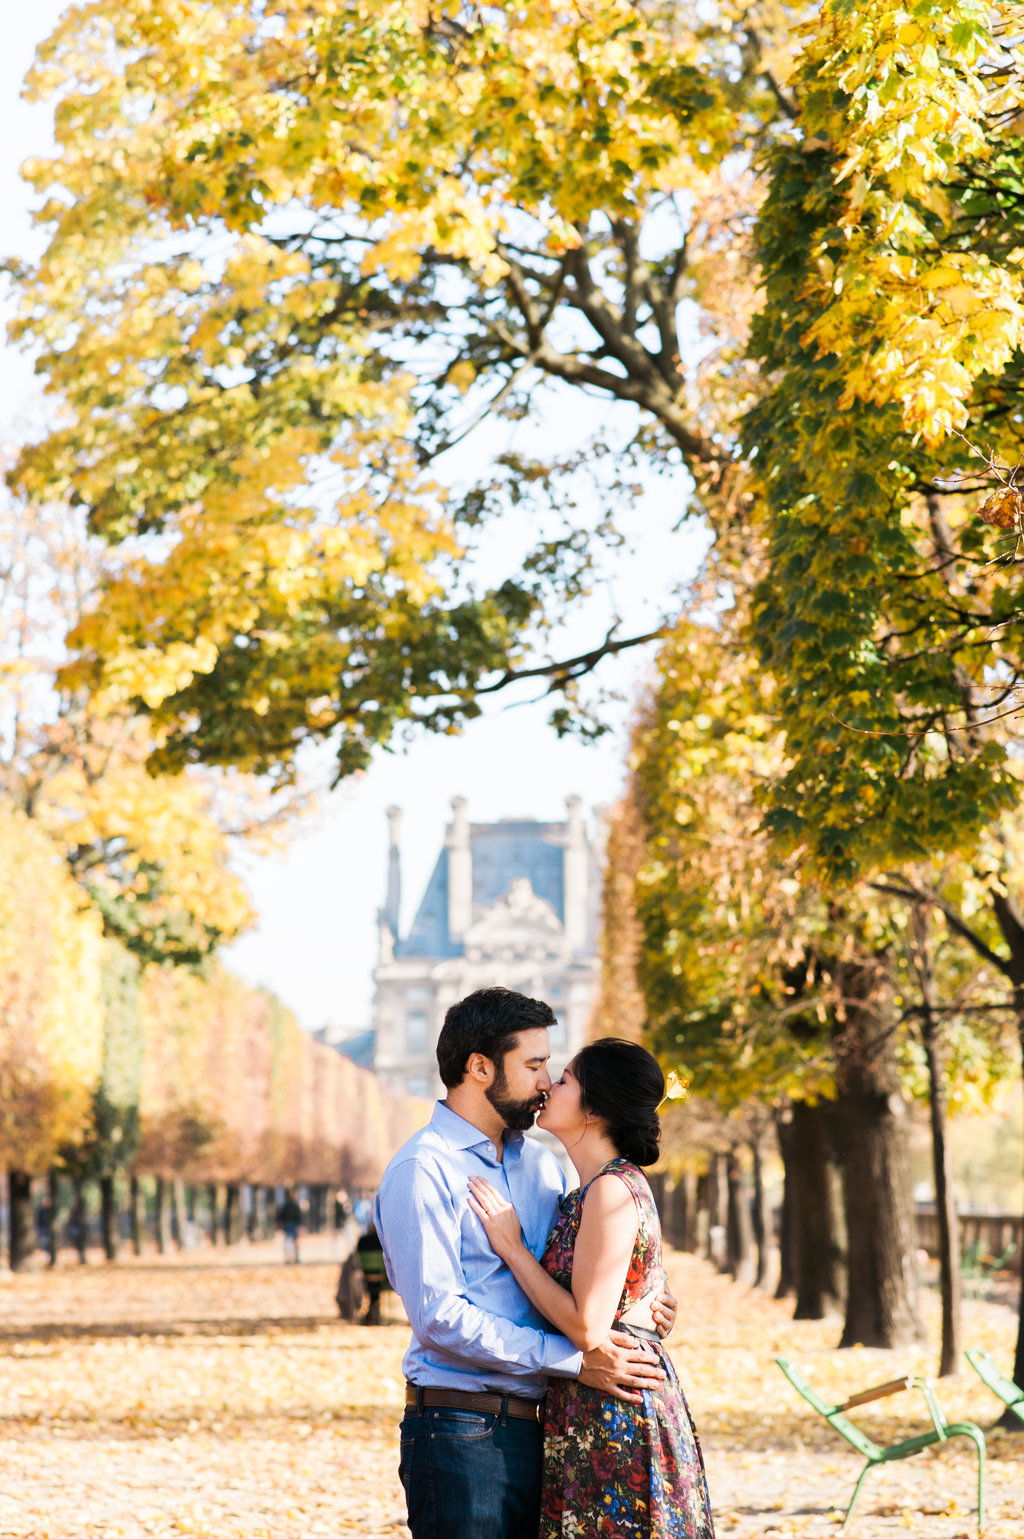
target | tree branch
[
  {"x": 911, "y": 893},
  {"x": 572, "y": 667}
]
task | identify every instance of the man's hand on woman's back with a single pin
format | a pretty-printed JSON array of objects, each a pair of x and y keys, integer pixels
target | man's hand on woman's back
[
  {"x": 621, "y": 1366},
  {"x": 664, "y": 1308}
]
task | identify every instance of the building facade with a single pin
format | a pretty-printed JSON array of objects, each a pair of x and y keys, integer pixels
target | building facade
[{"x": 515, "y": 902}]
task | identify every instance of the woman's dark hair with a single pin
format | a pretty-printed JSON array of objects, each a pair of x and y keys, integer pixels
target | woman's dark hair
[
  {"x": 489, "y": 1022},
  {"x": 622, "y": 1083}
]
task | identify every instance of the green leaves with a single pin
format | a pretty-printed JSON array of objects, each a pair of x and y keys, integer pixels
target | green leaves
[{"x": 881, "y": 613}]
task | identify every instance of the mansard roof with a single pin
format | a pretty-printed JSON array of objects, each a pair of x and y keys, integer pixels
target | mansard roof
[{"x": 501, "y": 853}]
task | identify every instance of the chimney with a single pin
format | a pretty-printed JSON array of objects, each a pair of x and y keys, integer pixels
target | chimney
[
  {"x": 575, "y": 863},
  {"x": 393, "y": 902},
  {"x": 460, "y": 871}
]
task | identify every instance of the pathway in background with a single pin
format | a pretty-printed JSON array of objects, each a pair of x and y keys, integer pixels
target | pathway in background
[{"x": 219, "y": 1396}]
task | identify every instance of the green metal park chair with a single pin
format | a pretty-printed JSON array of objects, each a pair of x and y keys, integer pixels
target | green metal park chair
[
  {"x": 984, "y": 1365},
  {"x": 943, "y": 1430}
]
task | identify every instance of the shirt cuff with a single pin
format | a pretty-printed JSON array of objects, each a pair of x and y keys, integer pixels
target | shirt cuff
[{"x": 561, "y": 1359}]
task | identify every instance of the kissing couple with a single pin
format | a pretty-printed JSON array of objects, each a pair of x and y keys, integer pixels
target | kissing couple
[{"x": 540, "y": 1402}]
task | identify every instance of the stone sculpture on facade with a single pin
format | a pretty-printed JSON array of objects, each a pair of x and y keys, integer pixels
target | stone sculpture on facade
[{"x": 514, "y": 902}]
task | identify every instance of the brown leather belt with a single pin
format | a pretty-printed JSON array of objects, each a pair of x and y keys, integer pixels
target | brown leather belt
[{"x": 487, "y": 1401}]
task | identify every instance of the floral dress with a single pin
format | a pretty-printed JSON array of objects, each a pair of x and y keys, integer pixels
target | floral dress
[{"x": 614, "y": 1470}]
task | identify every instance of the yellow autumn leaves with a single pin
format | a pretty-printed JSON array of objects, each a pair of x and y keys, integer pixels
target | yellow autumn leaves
[
  {"x": 51, "y": 1015},
  {"x": 898, "y": 97}
]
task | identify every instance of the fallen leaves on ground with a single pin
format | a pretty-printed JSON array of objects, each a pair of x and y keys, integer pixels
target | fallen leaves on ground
[{"x": 215, "y": 1395}]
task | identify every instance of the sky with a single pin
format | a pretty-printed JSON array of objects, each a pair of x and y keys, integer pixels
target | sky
[{"x": 315, "y": 940}]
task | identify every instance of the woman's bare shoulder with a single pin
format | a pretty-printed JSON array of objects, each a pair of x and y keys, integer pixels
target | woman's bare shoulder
[{"x": 609, "y": 1193}]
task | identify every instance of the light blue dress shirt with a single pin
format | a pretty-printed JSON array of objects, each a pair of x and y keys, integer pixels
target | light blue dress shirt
[{"x": 473, "y": 1327}]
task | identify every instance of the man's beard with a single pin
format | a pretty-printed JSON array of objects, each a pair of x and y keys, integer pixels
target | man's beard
[{"x": 516, "y": 1115}]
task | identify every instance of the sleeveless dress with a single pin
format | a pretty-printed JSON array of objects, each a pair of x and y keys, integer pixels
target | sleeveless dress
[{"x": 614, "y": 1470}]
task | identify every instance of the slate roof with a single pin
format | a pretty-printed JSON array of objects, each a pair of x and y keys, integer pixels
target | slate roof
[{"x": 501, "y": 852}]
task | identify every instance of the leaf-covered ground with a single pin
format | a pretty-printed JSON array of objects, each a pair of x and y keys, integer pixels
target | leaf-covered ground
[{"x": 214, "y": 1399}]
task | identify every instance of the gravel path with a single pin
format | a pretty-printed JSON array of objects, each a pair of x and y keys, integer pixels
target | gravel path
[{"x": 222, "y": 1398}]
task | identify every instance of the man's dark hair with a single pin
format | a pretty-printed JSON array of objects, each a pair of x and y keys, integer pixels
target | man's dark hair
[{"x": 487, "y": 1021}]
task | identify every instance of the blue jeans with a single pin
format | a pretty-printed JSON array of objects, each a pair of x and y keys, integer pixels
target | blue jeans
[{"x": 468, "y": 1475}]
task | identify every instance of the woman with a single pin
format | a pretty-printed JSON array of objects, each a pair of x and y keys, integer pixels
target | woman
[{"x": 614, "y": 1469}]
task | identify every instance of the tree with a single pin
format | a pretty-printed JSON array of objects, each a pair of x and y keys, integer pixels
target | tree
[
  {"x": 892, "y": 328},
  {"x": 115, "y": 1115},
  {"x": 51, "y": 1018},
  {"x": 759, "y": 982},
  {"x": 765, "y": 985},
  {"x": 980, "y": 913},
  {"x": 269, "y": 303},
  {"x": 889, "y": 301},
  {"x": 151, "y": 852}
]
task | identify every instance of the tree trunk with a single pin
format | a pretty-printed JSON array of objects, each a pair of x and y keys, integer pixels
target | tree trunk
[
  {"x": 232, "y": 1214},
  {"x": 739, "y": 1235},
  {"x": 80, "y": 1218},
  {"x": 718, "y": 1210},
  {"x": 675, "y": 1233},
  {"x": 702, "y": 1219},
  {"x": 816, "y": 1245},
  {"x": 22, "y": 1233},
  {"x": 253, "y": 1216},
  {"x": 942, "y": 1163},
  {"x": 787, "y": 1215},
  {"x": 871, "y": 1121},
  {"x": 945, "y": 1207},
  {"x": 759, "y": 1215},
  {"x": 688, "y": 1212},
  {"x": 108, "y": 1217},
  {"x": 53, "y": 1197},
  {"x": 1011, "y": 922},
  {"x": 1008, "y": 1420},
  {"x": 213, "y": 1198},
  {"x": 183, "y": 1213},
  {"x": 136, "y": 1213},
  {"x": 162, "y": 1217}
]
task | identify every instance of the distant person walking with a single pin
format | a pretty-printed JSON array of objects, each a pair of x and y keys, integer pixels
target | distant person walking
[{"x": 289, "y": 1219}]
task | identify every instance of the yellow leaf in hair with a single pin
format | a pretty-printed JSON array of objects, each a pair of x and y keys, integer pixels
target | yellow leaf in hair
[{"x": 676, "y": 1088}]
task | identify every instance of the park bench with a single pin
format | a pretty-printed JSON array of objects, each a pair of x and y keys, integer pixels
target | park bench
[
  {"x": 984, "y": 1365},
  {"x": 907, "y": 1447}
]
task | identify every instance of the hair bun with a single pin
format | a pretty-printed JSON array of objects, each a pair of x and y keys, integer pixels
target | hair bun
[
  {"x": 639, "y": 1142},
  {"x": 623, "y": 1083}
]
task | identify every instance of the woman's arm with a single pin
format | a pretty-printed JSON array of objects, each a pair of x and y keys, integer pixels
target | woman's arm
[{"x": 604, "y": 1246}]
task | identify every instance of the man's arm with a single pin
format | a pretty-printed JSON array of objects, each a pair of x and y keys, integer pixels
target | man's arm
[
  {"x": 419, "y": 1228},
  {"x": 621, "y": 1367}
]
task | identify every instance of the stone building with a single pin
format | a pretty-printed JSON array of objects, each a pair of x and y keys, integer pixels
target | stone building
[{"x": 515, "y": 902}]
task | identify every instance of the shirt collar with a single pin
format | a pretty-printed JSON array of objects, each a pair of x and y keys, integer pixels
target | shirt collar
[{"x": 460, "y": 1134}]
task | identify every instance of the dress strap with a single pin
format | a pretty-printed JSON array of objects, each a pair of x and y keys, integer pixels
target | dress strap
[{"x": 618, "y": 1160}]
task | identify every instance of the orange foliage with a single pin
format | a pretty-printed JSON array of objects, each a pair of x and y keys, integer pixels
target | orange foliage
[
  {"x": 234, "y": 1089},
  {"x": 620, "y": 1009},
  {"x": 51, "y": 1019}
]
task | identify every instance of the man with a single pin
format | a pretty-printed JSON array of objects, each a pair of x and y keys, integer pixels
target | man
[
  {"x": 289, "y": 1218},
  {"x": 472, "y": 1434}
]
